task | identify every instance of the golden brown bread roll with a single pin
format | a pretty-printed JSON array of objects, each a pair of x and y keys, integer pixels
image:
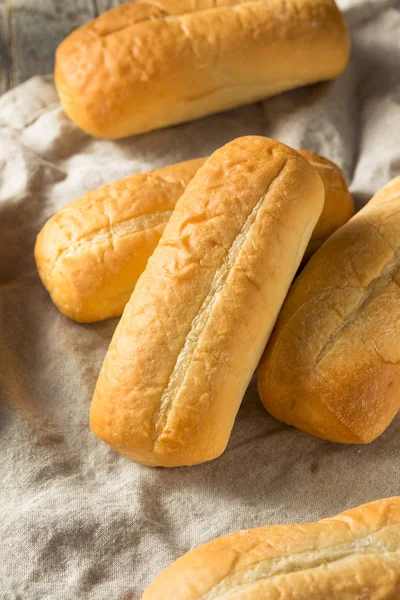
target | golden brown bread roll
[
  {"x": 200, "y": 315},
  {"x": 353, "y": 556},
  {"x": 332, "y": 366},
  {"x": 91, "y": 253},
  {"x": 146, "y": 65}
]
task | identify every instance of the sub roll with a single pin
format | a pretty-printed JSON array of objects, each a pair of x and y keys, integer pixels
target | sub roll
[
  {"x": 200, "y": 315},
  {"x": 92, "y": 252},
  {"x": 332, "y": 365},
  {"x": 354, "y": 555},
  {"x": 145, "y": 65}
]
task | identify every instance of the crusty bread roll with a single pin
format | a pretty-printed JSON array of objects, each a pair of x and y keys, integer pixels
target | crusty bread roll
[
  {"x": 91, "y": 254},
  {"x": 353, "y": 556},
  {"x": 146, "y": 65},
  {"x": 198, "y": 320},
  {"x": 332, "y": 366}
]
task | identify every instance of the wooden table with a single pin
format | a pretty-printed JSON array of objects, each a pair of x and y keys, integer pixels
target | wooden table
[{"x": 30, "y": 31}]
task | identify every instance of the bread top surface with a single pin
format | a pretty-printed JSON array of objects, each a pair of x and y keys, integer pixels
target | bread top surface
[
  {"x": 142, "y": 65},
  {"x": 354, "y": 553},
  {"x": 332, "y": 364},
  {"x": 96, "y": 238},
  {"x": 191, "y": 331}
]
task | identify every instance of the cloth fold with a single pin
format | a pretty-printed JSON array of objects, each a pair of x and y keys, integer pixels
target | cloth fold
[{"x": 78, "y": 520}]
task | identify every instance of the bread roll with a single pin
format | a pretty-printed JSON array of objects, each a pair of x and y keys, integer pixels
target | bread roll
[
  {"x": 146, "y": 65},
  {"x": 91, "y": 254},
  {"x": 196, "y": 324},
  {"x": 332, "y": 366},
  {"x": 353, "y": 556}
]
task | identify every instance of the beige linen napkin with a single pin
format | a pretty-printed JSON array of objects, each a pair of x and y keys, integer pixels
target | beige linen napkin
[{"x": 78, "y": 521}]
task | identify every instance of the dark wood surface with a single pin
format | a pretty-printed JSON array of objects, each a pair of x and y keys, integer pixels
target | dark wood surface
[{"x": 30, "y": 31}]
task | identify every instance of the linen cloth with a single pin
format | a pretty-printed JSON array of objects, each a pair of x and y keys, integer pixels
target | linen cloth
[{"x": 77, "y": 520}]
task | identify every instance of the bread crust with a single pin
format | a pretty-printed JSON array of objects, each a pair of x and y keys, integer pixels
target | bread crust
[
  {"x": 354, "y": 555},
  {"x": 92, "y": 252},
  {"x": 332, "y": 366},
  {"x": 145, "y": 65},
  {"x": 194, "y": 329}
]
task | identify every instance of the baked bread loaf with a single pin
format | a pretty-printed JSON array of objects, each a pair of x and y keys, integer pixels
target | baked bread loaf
[
  {"x": 353, "y": 556},
  {"x": 146, "y": 65},
  {"x": 91, "y": 253},
  {"x": 200, "y": 315},
  {"x": 332, "y": 366}
]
